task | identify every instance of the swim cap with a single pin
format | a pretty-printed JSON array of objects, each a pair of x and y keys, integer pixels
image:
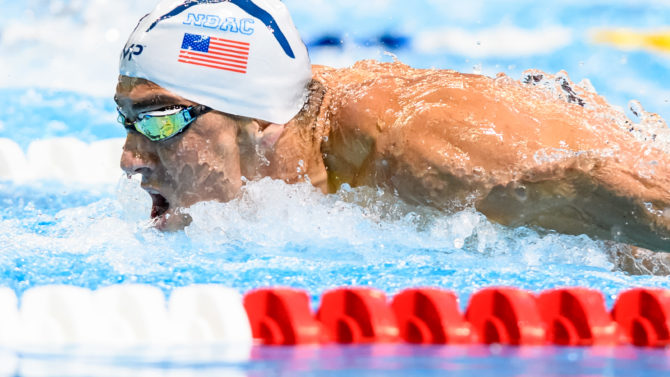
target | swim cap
[{"x": 242, "y": 57}]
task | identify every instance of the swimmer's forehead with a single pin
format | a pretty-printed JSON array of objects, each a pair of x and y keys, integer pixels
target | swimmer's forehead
[{"x": 134, "y": 95}]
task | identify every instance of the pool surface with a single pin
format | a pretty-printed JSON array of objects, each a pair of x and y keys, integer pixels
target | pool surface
[
  {"x": 368, "y": 361},
  {"x": 69, "y": 216}
]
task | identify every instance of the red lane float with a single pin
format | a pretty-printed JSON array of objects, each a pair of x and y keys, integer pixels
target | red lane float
[
  {"x": 644, "y": 315},
  {"x": 282, "y": 316},
  {"x": 431, "y": 316},
  {"x": 577, "y": 317},
  {"x": 570, "y": 316},
  {"x": 358, "y": 315},
  {"x": 506, "y": 316}
]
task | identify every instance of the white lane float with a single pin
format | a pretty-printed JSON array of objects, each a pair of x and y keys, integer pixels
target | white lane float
[
  {"x": 208, "y": 314},
  {"x": 57, "y": 315},
  {"x": 125, "y": 316},
  {"x": 13, "y": 164},
  {"x": 65, "y": 159},
  {"x": 130, "y": 315},
  {"x": 9, "y": 317}
]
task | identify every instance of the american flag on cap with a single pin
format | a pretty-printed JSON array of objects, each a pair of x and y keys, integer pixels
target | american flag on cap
[{"x": 217, "y": 53}]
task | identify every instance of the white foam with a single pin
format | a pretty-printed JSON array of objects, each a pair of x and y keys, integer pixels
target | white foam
[
  {"x": 501, "y": 41},
  {"x": 69, "y": 160},
  {"x": 364, "y": 226}
]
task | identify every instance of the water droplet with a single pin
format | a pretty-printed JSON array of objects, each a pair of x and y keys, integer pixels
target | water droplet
[
  {"x": 636, "y": 108},
  {"x": 521, "y": 193}
]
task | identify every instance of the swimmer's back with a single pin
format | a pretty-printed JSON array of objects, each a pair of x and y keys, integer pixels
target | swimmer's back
[
  {"x": 517, "y": 152},
  {"x": 465, "y": 125}
]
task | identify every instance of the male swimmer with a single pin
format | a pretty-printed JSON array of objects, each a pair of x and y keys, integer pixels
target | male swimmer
[{"x": 216, "y": 90}]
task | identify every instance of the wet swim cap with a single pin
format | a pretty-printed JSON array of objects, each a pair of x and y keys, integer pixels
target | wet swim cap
[{"x": 242, "y": 57}]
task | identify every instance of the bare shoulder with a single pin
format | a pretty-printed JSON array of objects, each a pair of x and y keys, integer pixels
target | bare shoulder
[
  {"x": 372, "y": 91},
  {"x": 468, "y": 123},
  {"x": 537, "y": 151},
  {"x": 445, "y": 120}
]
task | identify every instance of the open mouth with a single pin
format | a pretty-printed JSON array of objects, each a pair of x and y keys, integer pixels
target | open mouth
[
  {"x": 165, "y": 216},
  {"x": 159, "y": 206}
]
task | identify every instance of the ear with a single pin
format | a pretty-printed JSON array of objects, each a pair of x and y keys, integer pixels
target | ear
[
  {"x": 260, "y": 134},
  {"x": 267, "y": 133},
  {"x": 270, "y": 134}
]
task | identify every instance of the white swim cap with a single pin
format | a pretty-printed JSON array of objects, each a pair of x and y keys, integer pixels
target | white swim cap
[{"x": 242, "y": 57}]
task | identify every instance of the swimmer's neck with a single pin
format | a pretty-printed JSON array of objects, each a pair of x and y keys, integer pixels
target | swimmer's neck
[{"x": 291, "y": 152}]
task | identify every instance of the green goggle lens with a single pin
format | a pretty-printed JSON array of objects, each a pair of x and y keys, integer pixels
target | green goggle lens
[{"x": 163, "y": 127}]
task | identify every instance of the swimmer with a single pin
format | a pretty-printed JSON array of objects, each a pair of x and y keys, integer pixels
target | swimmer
[{"x": 213, "y": 92}]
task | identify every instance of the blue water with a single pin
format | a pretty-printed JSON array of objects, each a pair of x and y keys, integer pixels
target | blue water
[
  {"x": 363, "y": 361},
  {"x": 57, "y": 73},
  {"x": 29, "y": 114}
]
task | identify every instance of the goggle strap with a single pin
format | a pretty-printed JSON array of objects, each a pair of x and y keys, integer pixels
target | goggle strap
[
  {"x": 195, "y": 112},
  {"x": 128, "y": 125}
]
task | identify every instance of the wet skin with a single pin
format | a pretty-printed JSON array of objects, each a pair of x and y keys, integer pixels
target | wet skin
[
  {"x": 516, "y": 153},
  {"x": 208, "y": 160},
  {"x": 201, "y": 164}
]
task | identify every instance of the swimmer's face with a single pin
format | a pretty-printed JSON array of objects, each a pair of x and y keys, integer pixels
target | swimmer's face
[{"x": 199, "y": 164}]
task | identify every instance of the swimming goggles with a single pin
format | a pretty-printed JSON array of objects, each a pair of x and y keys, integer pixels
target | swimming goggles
[{"x": 165, "y": 123}]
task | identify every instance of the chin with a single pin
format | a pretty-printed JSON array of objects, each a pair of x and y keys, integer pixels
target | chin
[{"x": 171, "y": 220}]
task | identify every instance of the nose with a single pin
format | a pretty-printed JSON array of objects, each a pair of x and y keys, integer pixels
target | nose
[{"x": 138, "y": 156}]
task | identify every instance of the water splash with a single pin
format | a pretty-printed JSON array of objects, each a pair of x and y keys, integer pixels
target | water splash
[
  {"x": 276, "y": 234},
  {"x": 650, "y": 129},
  {"x": 286, "y": 235}
]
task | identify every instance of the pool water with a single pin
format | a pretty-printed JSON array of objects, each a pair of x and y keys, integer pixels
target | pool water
[
  {"x": 364, "y": 361},
  {"x": 68, "y": 216}
]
